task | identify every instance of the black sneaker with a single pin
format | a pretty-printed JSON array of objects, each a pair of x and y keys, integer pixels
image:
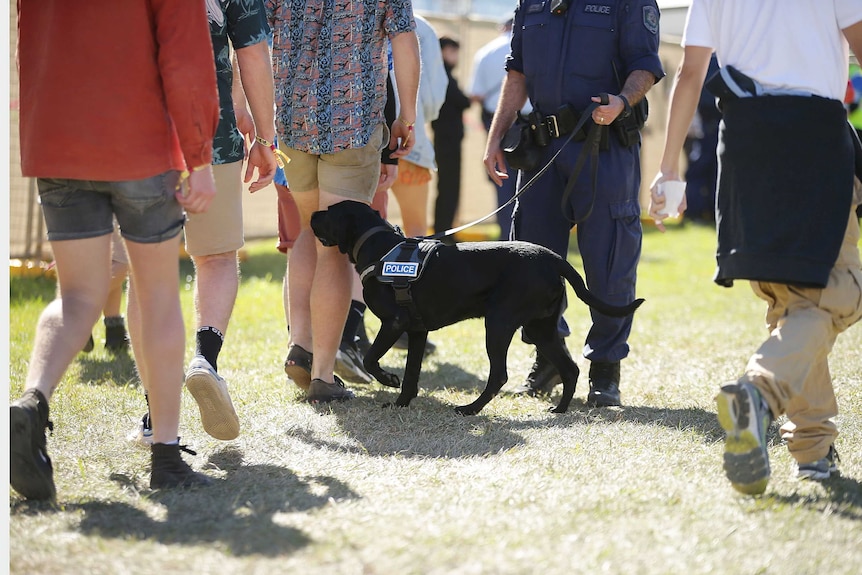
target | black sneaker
[
  {"x": 31, "y": 472},
  {"x": 541, "y": 380},
  {"x": 322, "y": 392},
  {"x": 348, "y": 364},
  {"x": 604, "y": 384},
  {"x": 169, "y": 470},
  {"x": 402, "y": 342}
]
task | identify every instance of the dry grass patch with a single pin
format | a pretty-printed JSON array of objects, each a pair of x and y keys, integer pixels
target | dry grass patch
[{"x": 357, "y": 489}]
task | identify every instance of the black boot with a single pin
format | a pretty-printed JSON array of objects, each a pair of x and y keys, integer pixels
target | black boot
[
  {"x": 542, "y": 379},
  {"x": 116, "y": 338},
  {"x": 604, "y": 384},
  {"x": 169, "y": 469},
  {"x": 31, "y": 472}
]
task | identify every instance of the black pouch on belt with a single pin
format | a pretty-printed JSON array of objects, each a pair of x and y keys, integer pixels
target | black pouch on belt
[{"x": 518, "y": 146}]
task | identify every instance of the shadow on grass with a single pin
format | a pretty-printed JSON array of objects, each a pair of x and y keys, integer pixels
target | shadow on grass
[
  {"x": 105, "y": 368},
  {"x": 842, "y": 496},
  {"x": 239, "y": 512}
]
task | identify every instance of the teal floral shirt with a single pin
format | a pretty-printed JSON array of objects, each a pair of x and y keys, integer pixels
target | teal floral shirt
[
  {"x": 241, "y": 23},
  {"x": 329, "y": 67}
]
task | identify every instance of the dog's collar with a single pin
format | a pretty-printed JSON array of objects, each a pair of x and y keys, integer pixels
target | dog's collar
[{"x": 364, "y": 237}]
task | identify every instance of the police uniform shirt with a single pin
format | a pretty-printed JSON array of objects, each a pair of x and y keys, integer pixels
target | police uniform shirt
[{"x": 570, "y": 57}]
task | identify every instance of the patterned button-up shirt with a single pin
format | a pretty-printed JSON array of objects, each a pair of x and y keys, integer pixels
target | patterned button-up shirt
[
  {"x": 329, "y": 66},
  {"x": 243, "y": 24}
]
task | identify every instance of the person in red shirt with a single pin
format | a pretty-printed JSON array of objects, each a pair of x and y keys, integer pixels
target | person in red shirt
[{"x": 112, "y": 128}]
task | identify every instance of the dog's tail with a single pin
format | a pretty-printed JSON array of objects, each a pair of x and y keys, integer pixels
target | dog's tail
[{"x": 585, "y": 295}]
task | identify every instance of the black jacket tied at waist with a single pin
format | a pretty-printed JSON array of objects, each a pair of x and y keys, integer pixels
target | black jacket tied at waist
[{"x": 785, "y": 189}]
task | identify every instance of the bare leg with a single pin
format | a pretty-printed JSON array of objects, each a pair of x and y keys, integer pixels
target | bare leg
[
  {"x": 413, "y": 201},
  {"x": 216, "y": 286},
  {"x": 326, "y": 282},
  {"x": 67, "y": 322},
  {"x": 159, "y": 334}
]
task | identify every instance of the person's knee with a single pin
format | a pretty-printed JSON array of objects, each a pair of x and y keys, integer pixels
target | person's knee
[{"x": 215, "y": 260}]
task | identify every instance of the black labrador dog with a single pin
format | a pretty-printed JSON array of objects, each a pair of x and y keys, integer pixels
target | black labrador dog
[{"x": 510, "y": 284}]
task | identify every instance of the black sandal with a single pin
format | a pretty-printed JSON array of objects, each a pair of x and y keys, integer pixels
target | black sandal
[{"x": 297, "y": 366}]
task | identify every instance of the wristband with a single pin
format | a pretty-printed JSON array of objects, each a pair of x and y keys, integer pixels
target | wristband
[
  {"x": 627, "y": 109},
  {"x": 280, "y": 157},
  {"x": 406, "y": 123}
]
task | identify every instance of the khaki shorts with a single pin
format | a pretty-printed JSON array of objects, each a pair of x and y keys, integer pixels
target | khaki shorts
[
  {"x": 219, "y": 229},
  {"x": 352, "y": 173}
]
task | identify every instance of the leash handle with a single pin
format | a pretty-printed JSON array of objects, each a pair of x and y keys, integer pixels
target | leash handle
[{"x": 592, "y": 141}]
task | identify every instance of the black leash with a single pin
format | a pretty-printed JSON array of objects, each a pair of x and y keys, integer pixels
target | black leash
[{"x": 591, "y": 148}]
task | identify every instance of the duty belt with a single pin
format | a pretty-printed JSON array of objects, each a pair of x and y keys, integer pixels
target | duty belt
[{"x": 562, "y": 122}]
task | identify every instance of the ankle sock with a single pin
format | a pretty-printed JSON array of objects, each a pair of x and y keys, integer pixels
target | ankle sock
[
  {"x": 115, "y": 321},
  {"x": 209, "y": 341},
  {"x": 354, "y": 317}
]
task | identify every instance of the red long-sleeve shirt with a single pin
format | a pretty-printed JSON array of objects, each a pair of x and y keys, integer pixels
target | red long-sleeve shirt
[{"x": 115, "y": 91}]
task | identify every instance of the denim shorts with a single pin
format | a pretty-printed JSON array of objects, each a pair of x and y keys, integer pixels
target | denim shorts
[{"x": 146, "y": 210}]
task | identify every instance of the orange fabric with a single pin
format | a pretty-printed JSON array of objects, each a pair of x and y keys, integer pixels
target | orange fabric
[{"x": 412, "y": 174}]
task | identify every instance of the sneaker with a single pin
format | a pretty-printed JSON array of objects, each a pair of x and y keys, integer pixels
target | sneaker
[
  {"x": 541, "y": 380},
  {"x": 402, "y": 342},
  {"x": 321, "y": 392},
  {"x": 142, "y": 434},
  {"x": 210, "y": 392},
  {"x": 31, "y": 472},
  {"x": 169, "y": 470},
  {"x": 348, "y": 364},
  {"x": 820, "y": 469},
  {"x": 297, "y": 366},
  {"x": 604, "y": 384},
  {"x": 744, "y": 415}
]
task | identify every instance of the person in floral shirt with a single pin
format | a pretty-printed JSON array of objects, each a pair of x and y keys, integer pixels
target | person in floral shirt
[{"x": 330, "y": 66}]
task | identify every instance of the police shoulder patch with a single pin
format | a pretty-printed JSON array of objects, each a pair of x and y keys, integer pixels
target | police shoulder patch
[{"x": 651, "y": 19}]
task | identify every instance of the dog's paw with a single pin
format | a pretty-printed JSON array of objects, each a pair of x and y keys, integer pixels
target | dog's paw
[
  {"x": 466, "y": 410},
  {"x": 389, "y": 379}
]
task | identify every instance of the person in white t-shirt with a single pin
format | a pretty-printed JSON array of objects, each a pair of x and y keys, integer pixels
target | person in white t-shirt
[{"x": 785, "y": 210}]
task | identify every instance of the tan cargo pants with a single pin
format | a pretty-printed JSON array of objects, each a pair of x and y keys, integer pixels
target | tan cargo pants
[{"x": 791, "y": 368}]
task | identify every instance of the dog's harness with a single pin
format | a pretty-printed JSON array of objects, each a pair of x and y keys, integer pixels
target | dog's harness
[{"x": 400, "y": 267}]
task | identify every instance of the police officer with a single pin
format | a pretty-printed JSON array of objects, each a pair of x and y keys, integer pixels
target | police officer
[{"x": 564, "y": 55}]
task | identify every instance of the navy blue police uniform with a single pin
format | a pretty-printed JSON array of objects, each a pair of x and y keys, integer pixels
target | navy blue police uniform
[{"x": 568, "y": 58}]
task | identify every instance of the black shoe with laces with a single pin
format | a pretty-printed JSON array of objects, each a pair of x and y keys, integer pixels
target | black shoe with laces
[
  {"x": 604, "y": 384},
  {"x": 31, "y": 472},
  {"x": 541, "y": 380},
  {"x": 348, "y": 364},
  {"x": 169, "y": 470}
]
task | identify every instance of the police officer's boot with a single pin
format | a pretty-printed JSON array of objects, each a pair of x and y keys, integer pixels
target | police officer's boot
[
  {"x": 542, "y": 379},
  {"x": 604, "y": 384}
]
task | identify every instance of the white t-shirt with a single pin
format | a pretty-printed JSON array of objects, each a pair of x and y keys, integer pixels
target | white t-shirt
[
  {"x": 489, "y": 69},
  {"x": 796, "y": 45}
]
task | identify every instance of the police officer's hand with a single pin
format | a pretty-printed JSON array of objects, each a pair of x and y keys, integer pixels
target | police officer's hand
[
  {"x": 658, "y": 201},
  {"x": 604, "y": 115},
  {"x": 495, "y": 162}
]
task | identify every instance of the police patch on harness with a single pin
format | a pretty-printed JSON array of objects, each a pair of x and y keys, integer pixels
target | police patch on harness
[
  {"x": 400, "y": 269},
  {"x": 651, "y": 19}
]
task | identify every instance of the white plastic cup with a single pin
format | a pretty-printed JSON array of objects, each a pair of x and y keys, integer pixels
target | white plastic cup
[{"x": 674, "y": 192}]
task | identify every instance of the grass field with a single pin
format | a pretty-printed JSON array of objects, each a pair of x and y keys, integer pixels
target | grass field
[{"x": 356, "y": 489}]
